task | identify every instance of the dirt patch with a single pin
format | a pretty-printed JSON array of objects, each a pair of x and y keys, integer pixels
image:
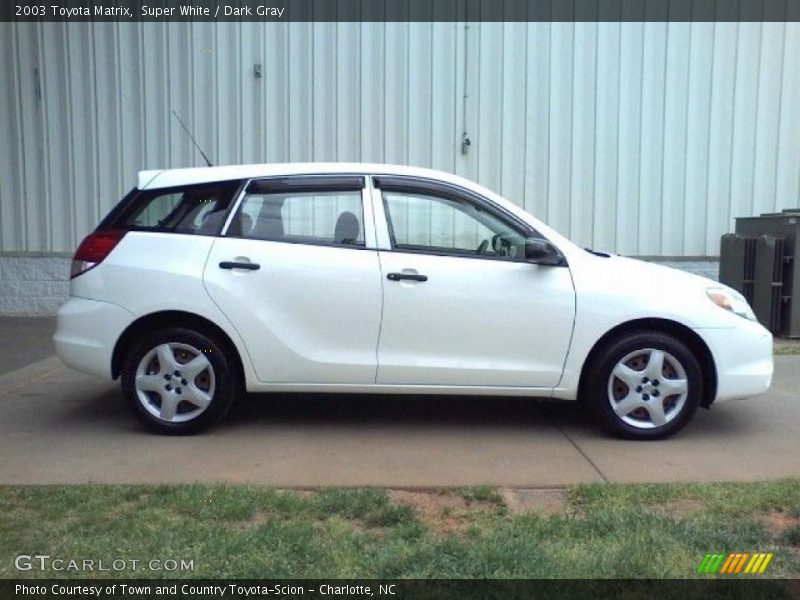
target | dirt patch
[
  {"x": 300, "y": 493},
  {"x": 547, "y": 502},
  {"x": 779, "y": 523},
  {"x": 683, "y": 507},
  {"x": 258, "y": 518},
  {"x": 443, "y": 512}
]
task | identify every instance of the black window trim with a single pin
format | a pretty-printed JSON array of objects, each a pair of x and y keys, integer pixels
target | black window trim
[
  {"x": 439, "y": 189},
  {"x": 299, "y": 184},
  {"x": 113, "y": 216},
  {"x": 302, "y": 183}
]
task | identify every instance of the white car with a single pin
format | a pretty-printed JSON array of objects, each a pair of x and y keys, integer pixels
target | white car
[{"x": 349, "y": 278}]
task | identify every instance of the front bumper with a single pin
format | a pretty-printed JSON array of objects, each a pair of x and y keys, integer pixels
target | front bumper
[
  {"x": 86, "y": 333},
  {"x": 744, "y": 359}
]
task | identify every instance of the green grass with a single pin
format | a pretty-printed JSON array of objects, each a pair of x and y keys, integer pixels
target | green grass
[
  {"x": 244, "y": 531},
  {"x": 481, "y": 493},
  {"x": 785, "y": 348}
]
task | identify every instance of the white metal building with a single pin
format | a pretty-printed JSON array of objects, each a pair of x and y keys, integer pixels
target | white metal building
[{"x": 645, "y": 139}]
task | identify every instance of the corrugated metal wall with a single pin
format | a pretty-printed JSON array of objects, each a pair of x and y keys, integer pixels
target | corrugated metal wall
[{"x": 643, "y": 138}]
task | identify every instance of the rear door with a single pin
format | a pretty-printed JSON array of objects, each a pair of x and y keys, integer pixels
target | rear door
[{"x": 297, "y": 274}]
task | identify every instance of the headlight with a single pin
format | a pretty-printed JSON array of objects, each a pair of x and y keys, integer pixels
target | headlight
[{"x": 732, "y": 301}]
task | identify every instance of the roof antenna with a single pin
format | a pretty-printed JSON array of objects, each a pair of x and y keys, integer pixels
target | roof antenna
[{"x": 191, "y": 137}]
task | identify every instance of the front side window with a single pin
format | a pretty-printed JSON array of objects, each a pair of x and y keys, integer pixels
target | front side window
[
  {"x": 197, "y": 209},
  {"x": 306, "y": 217},
  {"x": 447, "y": 225}
]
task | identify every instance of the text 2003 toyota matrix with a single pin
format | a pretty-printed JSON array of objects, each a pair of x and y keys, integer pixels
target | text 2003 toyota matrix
[{"x": 204, "y": 283}]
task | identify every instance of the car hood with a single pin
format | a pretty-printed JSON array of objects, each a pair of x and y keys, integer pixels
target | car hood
[{"x": 655, "y": 273}]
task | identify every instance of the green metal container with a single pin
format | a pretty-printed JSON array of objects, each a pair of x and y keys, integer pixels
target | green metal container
[{"x": 770, "y": 267}]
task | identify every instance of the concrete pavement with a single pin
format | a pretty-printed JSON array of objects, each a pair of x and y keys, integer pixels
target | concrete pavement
[
  {"x": 58, "y": 426},
  {"x": 24, "y": 340}
]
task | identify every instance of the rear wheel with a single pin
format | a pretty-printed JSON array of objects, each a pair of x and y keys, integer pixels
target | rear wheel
[
  {"x": 178, "y": 381},
  {"x": 645, "y": 386}
]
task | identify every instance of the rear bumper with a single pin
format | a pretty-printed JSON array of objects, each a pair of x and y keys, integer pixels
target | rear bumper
[
  {"x": 86, "y": 333},
  {"x": 743, "y": 357}
]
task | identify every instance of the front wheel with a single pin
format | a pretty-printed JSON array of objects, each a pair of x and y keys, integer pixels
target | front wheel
[
  {"x": 645, "y": 386},
  {"x": 178, "y": 381}
]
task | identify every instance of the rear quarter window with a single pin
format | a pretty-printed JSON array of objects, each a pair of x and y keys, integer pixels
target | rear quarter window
[{"x": 196, "y": 209}]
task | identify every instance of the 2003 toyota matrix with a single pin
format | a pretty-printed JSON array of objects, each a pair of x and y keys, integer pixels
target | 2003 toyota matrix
[{"x": 203, "y": 283}]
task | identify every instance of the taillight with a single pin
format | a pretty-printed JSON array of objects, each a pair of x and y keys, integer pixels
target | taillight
[{"x": 93, "y": 250}]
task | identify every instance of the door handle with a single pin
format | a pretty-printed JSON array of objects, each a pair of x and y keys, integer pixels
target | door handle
[
  {"x": 408, "y": 276},
  {"x": 239, "y": 265}
]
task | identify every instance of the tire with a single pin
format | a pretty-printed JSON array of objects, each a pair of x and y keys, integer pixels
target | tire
[
  {"x": 198, "y": 380},
  {"x": 632, "y": 398}
]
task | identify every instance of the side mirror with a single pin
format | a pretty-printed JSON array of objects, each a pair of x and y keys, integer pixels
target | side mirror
[{"x": 542, "y": 252}]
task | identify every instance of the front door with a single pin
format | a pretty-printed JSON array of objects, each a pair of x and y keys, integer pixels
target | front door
[{"x": 462, "y": 307}]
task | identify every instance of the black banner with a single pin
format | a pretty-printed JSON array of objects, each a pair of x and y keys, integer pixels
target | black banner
[
  {"x": 399, "y": 10},
  {"x": 403, "y": 589}
]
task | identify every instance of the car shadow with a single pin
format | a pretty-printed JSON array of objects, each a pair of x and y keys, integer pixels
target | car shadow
[
  {"x": 399, "y": 409},
  {"x": 108, "y": 411}
]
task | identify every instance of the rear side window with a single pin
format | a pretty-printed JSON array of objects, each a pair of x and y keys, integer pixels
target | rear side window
[
  {"x": 309, "y": 214},
  {"x": 197, "y": 209}
]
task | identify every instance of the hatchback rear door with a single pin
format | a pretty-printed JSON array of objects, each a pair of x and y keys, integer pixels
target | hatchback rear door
[{"x": 297, "y": 274}]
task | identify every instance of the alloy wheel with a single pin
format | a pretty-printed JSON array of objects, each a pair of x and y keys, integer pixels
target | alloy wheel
[
  {"x": 175, "y": 382},
  {"x": 648, "y": 388}
]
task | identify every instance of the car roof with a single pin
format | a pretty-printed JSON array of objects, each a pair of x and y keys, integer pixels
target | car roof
[{"x": 155, "y": 179}]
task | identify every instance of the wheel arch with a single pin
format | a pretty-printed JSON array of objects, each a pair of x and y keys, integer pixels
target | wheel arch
[
  {"x": 678, "y": 330},
  {"x": 173, "y": 318}
]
